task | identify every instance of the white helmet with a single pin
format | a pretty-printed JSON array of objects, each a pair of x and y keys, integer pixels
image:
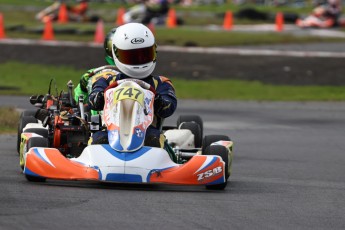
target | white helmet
[{"x": 134, "y": 50}]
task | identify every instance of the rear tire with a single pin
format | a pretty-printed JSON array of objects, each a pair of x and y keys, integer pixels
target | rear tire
[
  {"x": 196, "y": 131},
  {"x": 191, "y": 118},
  {"x": 42, "y": 132},
  {"x": 221, "y": 151},
  {"x": 24, "y": 120},
  {"x": 28, "y": 113}
]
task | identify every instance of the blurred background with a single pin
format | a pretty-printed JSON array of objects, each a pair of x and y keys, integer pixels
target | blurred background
[
  {"x": 70, "y": 17},
  {"x": 291, "y": 50}
]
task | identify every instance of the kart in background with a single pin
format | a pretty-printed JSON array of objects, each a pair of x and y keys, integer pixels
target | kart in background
[
  {"x": 127, "y": 113},
  {"x": 322, "y": 16},
  {"x": 58, "y": 122}
]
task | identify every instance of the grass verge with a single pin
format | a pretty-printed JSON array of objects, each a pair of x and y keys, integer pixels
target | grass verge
[
  {"x": 9, "y": 118},
  {"x": 28, "y": 79}
]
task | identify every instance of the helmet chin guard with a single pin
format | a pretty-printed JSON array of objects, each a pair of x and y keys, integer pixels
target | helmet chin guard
[{"x": 138, "y": 72}]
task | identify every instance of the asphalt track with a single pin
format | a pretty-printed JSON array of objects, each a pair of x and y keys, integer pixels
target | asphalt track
[
  {"x": 295, "y": 64},
  {"x": 288, "y": 173}
]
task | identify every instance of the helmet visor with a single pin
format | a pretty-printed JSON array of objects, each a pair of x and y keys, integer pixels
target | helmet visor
[{"x": 136, "y": 56}]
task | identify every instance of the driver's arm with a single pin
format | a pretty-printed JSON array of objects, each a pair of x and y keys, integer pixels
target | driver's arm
[
  {"x": 165, "y": 101},
  {"x": 96, "y": 97}
]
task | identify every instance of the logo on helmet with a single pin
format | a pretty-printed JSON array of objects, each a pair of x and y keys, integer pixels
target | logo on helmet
[{"x": 137, "y": 40}]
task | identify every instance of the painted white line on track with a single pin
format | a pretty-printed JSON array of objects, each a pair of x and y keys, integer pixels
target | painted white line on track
[{"x": 204, "y": 50}]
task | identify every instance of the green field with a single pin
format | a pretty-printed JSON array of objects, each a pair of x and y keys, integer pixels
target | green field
[
  {"x": 31, "y": 79},
  {"x": 9, "y": 118}
]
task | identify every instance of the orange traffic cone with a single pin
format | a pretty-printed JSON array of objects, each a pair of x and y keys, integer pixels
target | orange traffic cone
[
  {"x": 171, "y": 19},
  {"x": 63, "y": 14},
  {"x": 99, "y": 33},
  {"x": 279, "y": 22},
  {"x": 119, "y": 20},
  {"x": 2, "y": 30},
  {"x": 228, "y": 21},
  {"x": 151, "y": 26},
  {"x": 48, "y": 33}
]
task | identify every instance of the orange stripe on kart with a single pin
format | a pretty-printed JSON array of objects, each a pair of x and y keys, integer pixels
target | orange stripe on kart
[
  {"x": 188, "y": 173},
  {"x": 57, "y": 166}
]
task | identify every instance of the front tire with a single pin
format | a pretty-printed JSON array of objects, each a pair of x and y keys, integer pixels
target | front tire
[
  {"x": 209, "y": 139},
  {"x": 221, "y": 151},
  {"x": 36, "y": 142},
  {"x": 24, "y": 120},
  {"x": 35, "y": 178}
]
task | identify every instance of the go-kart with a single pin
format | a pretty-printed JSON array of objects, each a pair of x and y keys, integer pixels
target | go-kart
[
  {"x": 319, "y": 18},
  {"x": 315, "y": 22},
  {"x": 127, "y": 114},
  {"x": 58, "y": 122}
]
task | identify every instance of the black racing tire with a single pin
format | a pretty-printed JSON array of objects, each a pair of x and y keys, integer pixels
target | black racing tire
[
  {"x": 209, "y": 139},
  {"x": 196, "y": 131},
  {"x": 36, "y": 142},
  {"x": 43, "y": 132},
  {"x": 35, "y": 178},
  {"x": 24, "y": 120},
  {"x": 191, "y": 118},
  {"x": 221, "y": 151},
  {"x": 28, "y": 113}
]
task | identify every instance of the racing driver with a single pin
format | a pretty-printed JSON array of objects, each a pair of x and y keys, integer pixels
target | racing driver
[{"x": 134, "y": 52}]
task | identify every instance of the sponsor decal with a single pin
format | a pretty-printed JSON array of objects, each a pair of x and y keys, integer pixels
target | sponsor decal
[
  {"x": 209, "y": 173},
  {"x": 157, "y": 172},
  {"x": 137, "y": 41},
  {"x": 139, "y": 133}
]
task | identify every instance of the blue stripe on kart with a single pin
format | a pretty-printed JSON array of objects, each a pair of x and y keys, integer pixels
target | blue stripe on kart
[
  {"x": 126, "y": 156},
  {"x": 41, "y": 157},
  {"x": 31, "y": 173},
  {"x": 118, "y": 177},
  {"x": 219, "y": 181},
  {"x": 209, "y": 164}
]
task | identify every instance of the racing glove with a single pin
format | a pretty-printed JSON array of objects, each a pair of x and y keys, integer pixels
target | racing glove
[
  {"x": 96, "y": 100},
  {"x": 161, "y": 105}
]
